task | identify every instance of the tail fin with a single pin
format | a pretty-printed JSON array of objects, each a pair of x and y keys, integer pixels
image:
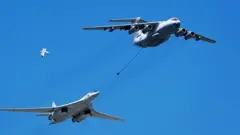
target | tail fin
[
  {"x": 132, "y": 20},
  {"x": 47, "y": 114},
  {"x": 53, "y": 104}
]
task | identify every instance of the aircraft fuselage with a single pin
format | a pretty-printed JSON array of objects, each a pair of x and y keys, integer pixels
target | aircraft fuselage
[
  {"x": 158, "y": 35},
  {"x": 78, "y": 112}
]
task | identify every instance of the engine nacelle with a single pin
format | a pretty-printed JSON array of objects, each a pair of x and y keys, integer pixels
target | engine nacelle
[
  {"x": 54, "y": 115},
  {"x": 133, "y": 29},
  {"x": 189, "y": 35},
  {"x": 180, "y": 32},
  {"x": 81, "y": 116},
  {"x": 78, "y": 118},
  {"x": 197, "y": 37},
  {"x": 147, "y": 28},
  {"x": 87, "y": 112},
  {"x": 50, "y": 117}
]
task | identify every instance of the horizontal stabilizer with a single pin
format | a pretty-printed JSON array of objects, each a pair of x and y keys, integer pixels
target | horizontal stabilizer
[
  {"x": 43, "y": 114},
  {"x": 132, "y": 20}
]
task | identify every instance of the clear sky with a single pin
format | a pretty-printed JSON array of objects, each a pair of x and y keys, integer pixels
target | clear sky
[{"x": 178, "y": 88}]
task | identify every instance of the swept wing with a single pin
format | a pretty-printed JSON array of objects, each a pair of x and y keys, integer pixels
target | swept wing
[
  {"x": 105, "y": 116},
  {"x": 205, "y": 39},
  {"x": 41, "y": 109},
  {"x": 190, "y": 34},
  {"x": 44, "y": 109},
  {"x": 120, "y": 27}
]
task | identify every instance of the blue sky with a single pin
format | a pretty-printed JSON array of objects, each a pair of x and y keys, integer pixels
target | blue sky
[{"x": 178, "y": 88}]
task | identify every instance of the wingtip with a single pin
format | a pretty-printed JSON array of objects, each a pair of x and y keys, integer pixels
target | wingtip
[
  {"x": 214, "y": 42},
  {"x": 121, "y": 119},
  {"x": 83, "y": 28}
]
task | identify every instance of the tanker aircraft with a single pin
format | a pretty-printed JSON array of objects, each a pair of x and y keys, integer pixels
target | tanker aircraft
[{"x": 153, "y": 33}]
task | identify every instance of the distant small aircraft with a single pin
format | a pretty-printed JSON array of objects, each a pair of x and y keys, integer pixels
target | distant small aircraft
[
  {"x": 43, "y": 51},
  {"x": 78, "y": 110},
  {"x": 152, "y": 34}
]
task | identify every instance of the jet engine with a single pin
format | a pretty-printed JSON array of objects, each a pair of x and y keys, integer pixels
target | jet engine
[
  {"x": 78, "y": 118},
  {"x": 147, "y": 28},
  {"x": 189, "y": 35},
  {"x": 180, "y": 32},
  {"x": 197, "y": 37},
  {"x": 53, "y": 115},
  {"x": 86, "y": 112},
  {"x": 50, "y": 117},
  {"x": 81, "y": 116},
  {"x": 133, "y": 29},
  {"x": 56, "y": 113}
]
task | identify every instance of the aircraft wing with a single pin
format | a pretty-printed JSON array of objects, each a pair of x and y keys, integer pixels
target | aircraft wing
[
  {"x": 196, "y": 36},
  {"x": 121, "y": 27},
  {"x": 105, "y": 116},
  {"x": 205, "y": 39},
  {"x": 47, "y": 109},
  {"x": 42, "y": 53},
  {"x": 124, "y": 26}
]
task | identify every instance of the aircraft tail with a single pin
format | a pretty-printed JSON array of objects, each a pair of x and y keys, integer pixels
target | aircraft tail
[
  {"x": 132, "y": 20},
  {"x": 47, "y": 114},
  {"x": 53, "y": 104}
]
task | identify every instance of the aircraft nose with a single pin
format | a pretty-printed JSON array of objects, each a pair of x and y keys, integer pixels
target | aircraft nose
[{"x": 96, "y": 93}]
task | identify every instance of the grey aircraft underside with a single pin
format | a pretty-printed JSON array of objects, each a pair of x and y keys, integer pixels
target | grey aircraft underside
[
  {"x": 78, "y": 110},
  {"x": 152, "y": 34}
]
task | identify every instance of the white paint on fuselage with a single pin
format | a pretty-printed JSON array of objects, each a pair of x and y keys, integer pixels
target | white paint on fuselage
[
  {"x": 59, "y": 116},
  {"x": 76, "y": 107},
  {"x": 157, "y": 36}
]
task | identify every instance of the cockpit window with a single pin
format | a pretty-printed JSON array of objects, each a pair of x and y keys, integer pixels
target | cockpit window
[{"x": 174, "y": 19}]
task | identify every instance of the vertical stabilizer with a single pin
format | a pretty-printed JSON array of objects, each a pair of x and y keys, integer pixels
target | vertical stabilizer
[{"x": 53, "y": 104}]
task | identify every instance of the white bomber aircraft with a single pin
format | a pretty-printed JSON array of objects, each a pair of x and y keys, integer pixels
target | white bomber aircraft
[
  {"x": 78, "y": 110},
  {"x": 152, "y": 34}
]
